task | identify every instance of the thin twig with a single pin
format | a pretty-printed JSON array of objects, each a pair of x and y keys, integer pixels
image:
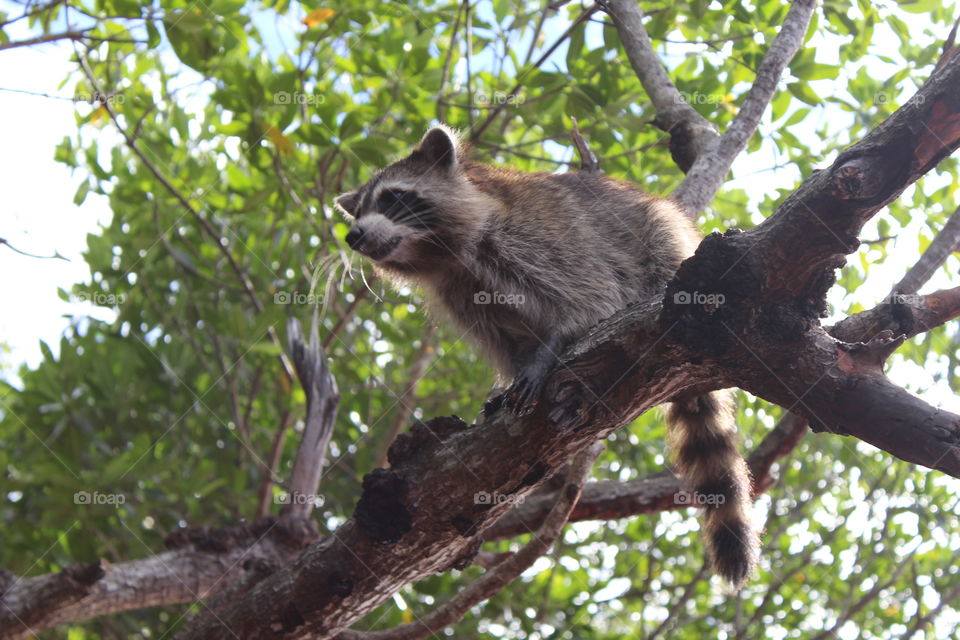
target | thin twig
[
  {"x": 441, "y": 106},
  {"x": 201, "y": 220},
  {"x": 588, "y": 161},
  {"x": 56, "y": 254},
  {"x": 478, "y": 131}
]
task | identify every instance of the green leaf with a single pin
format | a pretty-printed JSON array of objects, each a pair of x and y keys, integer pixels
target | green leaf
[{"x": 803, "y": 91}]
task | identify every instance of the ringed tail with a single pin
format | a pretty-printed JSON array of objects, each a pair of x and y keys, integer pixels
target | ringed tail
[{"x": 703, "y": 438}]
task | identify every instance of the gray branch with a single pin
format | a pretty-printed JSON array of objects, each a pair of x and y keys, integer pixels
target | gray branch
[
  {"x": 710, "y": 169},
  {"x": 318, "y": 384},
  {"x": 674, "y": 114}
]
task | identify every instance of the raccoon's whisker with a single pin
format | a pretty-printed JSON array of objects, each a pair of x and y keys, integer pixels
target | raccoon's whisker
[
  {"x": 376, "y": 296},
  {"x": 322, "y": 269}
]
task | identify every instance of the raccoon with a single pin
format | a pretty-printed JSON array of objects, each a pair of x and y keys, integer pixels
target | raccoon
[{"x": 525, "y": 263}]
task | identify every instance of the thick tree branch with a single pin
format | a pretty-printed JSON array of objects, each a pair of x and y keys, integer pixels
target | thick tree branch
[
  {"x": 840, "y": 388},
  {"x": 505, "y": 571},
  {"x": 904, "y": 315},
  {"x": 709, "y": 171},
  {"x": 792, "y": 254},
  {"x": 26, "y": 603},
  {"x": 204, "y": 562}
]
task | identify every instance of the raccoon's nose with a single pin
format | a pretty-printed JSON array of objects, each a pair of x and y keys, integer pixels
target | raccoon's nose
[{"x": 353, "y": 237}]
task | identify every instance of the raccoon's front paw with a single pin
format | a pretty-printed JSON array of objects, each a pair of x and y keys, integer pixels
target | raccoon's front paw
[{"x": 522, "y": 396}]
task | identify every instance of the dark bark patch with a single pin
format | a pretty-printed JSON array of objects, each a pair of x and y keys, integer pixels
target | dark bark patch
[
  {"x": 465, "y": 526},
  {"x": 423, "y": 436},
  {"x": 535, "y": 474},
  {"x": 85, "y": 574},
  {"x": 381, "y": 511},
  {"x": 290, "y": 619}
]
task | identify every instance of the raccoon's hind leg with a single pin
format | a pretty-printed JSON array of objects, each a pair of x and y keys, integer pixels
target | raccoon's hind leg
[{"x": 703, "y": 438}]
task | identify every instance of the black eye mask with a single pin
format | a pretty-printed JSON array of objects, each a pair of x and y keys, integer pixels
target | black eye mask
[{"x": 406, "y": 208}]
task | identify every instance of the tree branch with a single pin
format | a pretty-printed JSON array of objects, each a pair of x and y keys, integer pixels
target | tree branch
[
  {"x": 320, "y": 388},
  {"x": 47, "y": 37},
  {"x": 904, "y": 315},
  {"x": 693, "y": 133},
  {"x": 903, "y": 312},
  {"x": 588, "y": 160},
  {"x": 945, "y": 243},
  {"x": 204, "y": 562},
  {"x": 656, "y": 492},
  {"x": 504, "y": 572},
  {"x": 793, "y": 253},
  {"x": 709, "y": 171}
]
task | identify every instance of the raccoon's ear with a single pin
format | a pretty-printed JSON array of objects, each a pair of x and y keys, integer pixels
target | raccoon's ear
[
  {"x": 439, "y": 147},
  {"x": 348, "y": 202}
]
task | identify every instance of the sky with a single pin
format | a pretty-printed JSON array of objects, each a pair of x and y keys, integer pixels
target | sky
[{"x": 38, "y": 215}]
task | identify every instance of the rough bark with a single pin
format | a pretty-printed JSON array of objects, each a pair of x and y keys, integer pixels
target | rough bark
[
  {"x": 505, "y": 571},
  {"x": 203, "y": 563}
]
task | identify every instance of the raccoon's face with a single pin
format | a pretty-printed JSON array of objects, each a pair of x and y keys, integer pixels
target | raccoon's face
[
  {"x": 390, "y": 220},
  {"x": 405, "y": 216}
]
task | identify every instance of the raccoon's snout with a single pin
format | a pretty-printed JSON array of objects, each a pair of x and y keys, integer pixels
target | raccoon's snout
[
  {"x": 354, "y": 236},
  {"x": 371, "y": 242}
]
